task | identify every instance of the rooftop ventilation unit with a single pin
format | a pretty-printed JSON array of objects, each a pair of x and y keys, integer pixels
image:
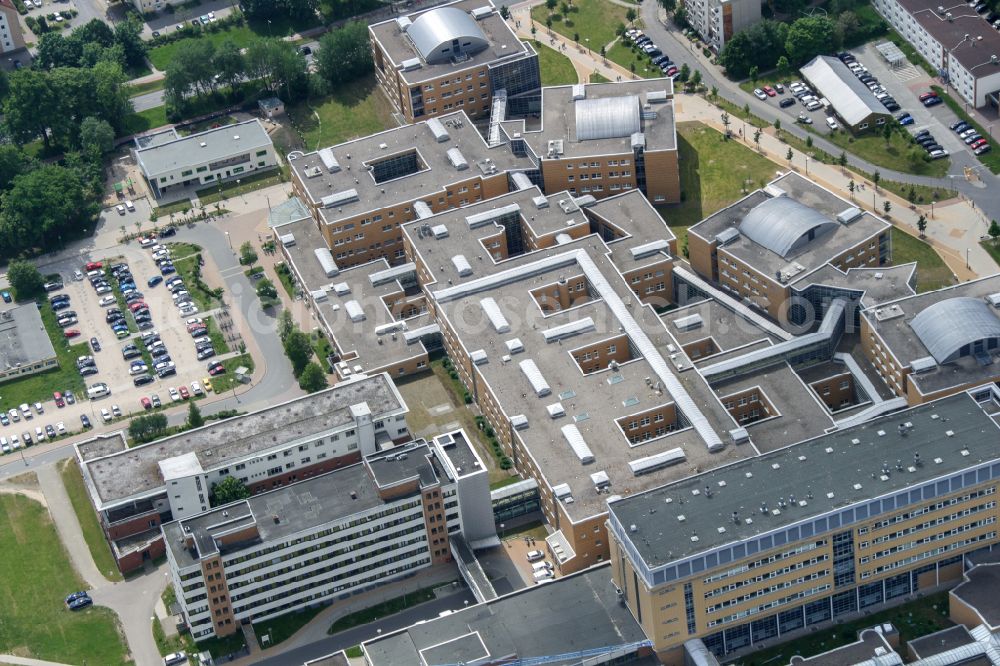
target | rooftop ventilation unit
[
  {"x": 437, "y": 129},
  {"x": 888, "y": 312},
  {"x": 568, "y": 206},
  {"x": 457, "y": 159},
  {"x": 849, "y": 215},
  {"x": 555, "y": 147},
  {"x": 601, "y": 480},
  {"x": 391, "y": 327},
  {"x": 556, "y": 410},
  {"x": 568, "y": 329},
  {"x": 994, "y": 300},
  {"x": 416, "y": 334},
  {"x": 342, "y": 289},
  {"x": 562, "y": 491},
  {"x": 657, "y": 461},
  {"x": 354, "y": 311},
  {"x": 925, "y": 364},
  {"x": 287, "y": 240},
  {"x": 535, "y": 378},
  {"x": 325, "y": 258},
  {"x": 576, "y": 442},
  {"x": 319, "y": 295},
  {"x": 410, "y": 64},
  {"x": 689, "y": 323},
  {"x": 774, "y": 191},
  {"x": 312, "y": 172},
  {"x": 514, "y": 345},
  {"x": 585, "y": 201},
  {"x": 329, "y": 160},
  {"x": 519, "y": 421},
  {"x": 479, "y": 357},
  {"x": 340, "y": 198},
  {"x": 486, "y": 217},
  {"x": 422, "y": 210},
  {"x": 492, "y": 310},
  {"x": 739, "y": 436},
  {"x": 541, "y": 201},
  {"x": 727, "y": 236},
  {"x": 394, "y": 273},
  {"x": 649, "y": 249},
  {"x": 656, "y": 96},
  {"x": 562, "y": 239},
  {"x": 462, "y": 265},
  {"x": 579, "y": 91},
  {"x": 521, "y": 180},
  {"x": 638, "y": 139},
  {"x": 479, "y": 13},
  {"x": 440, "y": 231},
  {"x": 403, "y": 23}
]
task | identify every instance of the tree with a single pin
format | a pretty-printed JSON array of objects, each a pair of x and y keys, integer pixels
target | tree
[
  {"x": 564, "y": 8},
  {"x": 299, "y": 350},
  {"x": 230, "y": 489},
  {"x": 146, "y": 428},
  {"x": 847, "y": 27},
  {"x": 851, "y": 187},
  {"x": 685, "y": 73},
  {"x": 248, "y": 255},
  {"x": 777, "y": 125},
  {"x": 842, "y": 159},
  {"x": 668, "y": 5},
  {"x": 809, "y": 141},
  {"x": 312, "y": 378},
  {"x": 345, "y": 54},
  {"x": 56, "y": 50},
  {"x": 886, "y": 206},
  {"x": 808, "y": 36},
  {"x": 29, "y": 106},
  {"x": 911, "y": 194},
  {"x": 576, "y": 38},
  {"x": 25, "y": 280},
  {"x": 41, "y": 206},
  {"x": 922, "y": 225},
  {"x": 194, "y": 419},
  {"x": 548, "y": 22},
  {"x": 887, "y": 133},
  {"x": 266, "y": 291},
  {"x": 756, "y": 137},
  {"x": 754, "y": 72},
  {"x": 261, "y": 10},
  {"x": 783, "y": 67},
  {"x": 746, "y": 111},
  {"x": 285, "y": 325},
  {"x": 128, "y": 35},
  {"x": 761, "y": 45},
  {"x": 876, "y": 177},
  {"x": 504, "y": 12},
  {"x": 631, "y": 15},
  {"x": 994, "y": 230},
  {"x": 280, "y": 66},
  {"x": 96, "y": 136},
  {"x": 551, "y": 5},
  {"x": 12, "y": 163},
  {"x": 789, "y": 155},
  {"x": 696, "y": 78},
  {"x": 714, "y": 92},
  {"x": 228, "y": 63}
]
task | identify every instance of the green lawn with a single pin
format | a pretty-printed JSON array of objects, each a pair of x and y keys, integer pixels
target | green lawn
[
  {"x": 285, "y": 278},
  {"x": 713, "y": 173},
  {"x": 216, "y": 336},
  {"x": 85, "y": 514},
  {"x": 223, "y": 383},
  {"x": 283, "y": 627},
  {"x": 992, "y": 249},
  {"x": 932, "y": 272},
  {"x": 176, "y": 207},
  {"x": 510, "y": 480},
  {"x": 384, "y": 609},
  {"x": 622, "y": 54},
  {"x": 232, "y": 188},
  {"x": 35, "y": 577},
  {"x": 357, "y": 109},
  {"x": 596, "y": 19},
  {"x": 40, "y": 387},
  {"x": 136, "y": 89},
  {"x": 181, "y": 250},
  {"x": 136, "y": 123},
  {"x": 918, "y": 618},
  {"x": 894, "y": 155},
  {"x": 557, "y": 69},
  {"x": 187, "y": 269},
  {"x": 598, "y": 78},
  {"x": 162, "y": 55}
]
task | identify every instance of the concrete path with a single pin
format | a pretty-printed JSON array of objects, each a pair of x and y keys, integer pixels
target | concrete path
[{"x": 11, "y": 659}]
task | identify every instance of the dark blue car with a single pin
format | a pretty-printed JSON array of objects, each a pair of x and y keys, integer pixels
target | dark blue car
[
  {"x": 82, "y": 602},
  {"x": 155, "y": 280}
]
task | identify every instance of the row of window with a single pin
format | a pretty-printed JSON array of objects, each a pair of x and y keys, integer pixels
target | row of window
[
  {"x": 765, "y": 576},
  {"x": 782, "y": 585}
]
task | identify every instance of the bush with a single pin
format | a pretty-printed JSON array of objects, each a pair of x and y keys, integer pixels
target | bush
[
  {"x": 467, "y": 398},
  {"x": 489, "y": 432},
  {"x": 506, "y": 463}
]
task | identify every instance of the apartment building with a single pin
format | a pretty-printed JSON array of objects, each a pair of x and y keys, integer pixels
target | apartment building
[
  {"x": 361, "y": 191},
  {"x": 937, "y": 343},
  {"x": 955, "y": 39},
  {"x": 601, "y": 139},
  {"x": 716, "y": 21},
  {"x": 135, "y": 490},
  {"x": 832, "y": 526},
  {"x": 765, "y": 247},
  {"x": 330, "y": 536},
  {"x": 170, "y": 161},
  {"x": 11, "y": 36},
  {"x": 459, "y": 56}
]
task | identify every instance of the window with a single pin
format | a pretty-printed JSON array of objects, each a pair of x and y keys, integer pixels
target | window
[
  {"x": 201, "y": 169},
  {"x": 261, "y": 153},
  {"x": 186, "y": 173}
]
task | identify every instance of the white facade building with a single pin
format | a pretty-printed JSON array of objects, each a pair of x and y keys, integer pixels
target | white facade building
[
  {"x": 716, "y": 21},
  {"x": 170, "y": 161},
  {"x": 11, "y": 37},
  {"x": 330, "y": 536},
  {"x": 955, "y": 40}
]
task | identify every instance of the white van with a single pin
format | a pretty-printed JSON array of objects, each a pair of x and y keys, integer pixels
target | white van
[
  {"x": 539, "y": 576},
  {"x": 98, "y": 390},
  {"x": 541, "y": 566},
  {"x": 175, "y": 658}
]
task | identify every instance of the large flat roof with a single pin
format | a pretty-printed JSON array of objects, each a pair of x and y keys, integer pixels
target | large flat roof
[
  {"x": 979, "y": 590},
  {"x": 876, "y": 285},
  {"x": 594, "y": 119},
  {"x": 23, "y": 338},
  {"x": 809, "y": 257},
  {"x": 851, "y": 99},
  {"x": 892, "y": 321},
  {"x": 959, "y": 29},
  {"x": 501, "y": 44},
  {"x": 135, "y": 472},
  {"x": 435, "y": 169},
  {"x": 208, "y": 146},
  {"x": 828, "y": 472},
  {"x": 577, "y": 612}
]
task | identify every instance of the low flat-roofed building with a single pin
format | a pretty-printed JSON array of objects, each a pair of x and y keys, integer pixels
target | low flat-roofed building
[
  {"x": 771, "y": 241},
  {"x": 602, "y": 139},
  {"x": 135, "y": 489},
  {"x": 25, "y": 346},
  {"x": 811, "y": 532},
  {"x": 170, "y": 161},
  {"x": 456, "y": 56},
  {"x": 974, "y": 601},
  {"x": 852, "y": 101},
  {"x": 939, "y": 642},
  {"x": 374, "y": 313},
  {"x": 876, "y": 645},
  {"x": 936, "y": 343},
  {"x": 362, "y": 190},
  {"x": 574, "y": 614},
  {"x": 330, "y": 536}
]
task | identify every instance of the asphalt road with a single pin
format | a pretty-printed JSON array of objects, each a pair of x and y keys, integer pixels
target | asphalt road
[{"x": 355, "y": 636}]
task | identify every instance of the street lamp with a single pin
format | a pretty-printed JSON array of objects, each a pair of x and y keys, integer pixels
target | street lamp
[
  {"x": 967, "y": 259},
  {"x": 807, "y": 165},
  {"x": 932, "y": 208},
  {"x": 501, "y": 531},
  {"x": 230, "y": 240}
]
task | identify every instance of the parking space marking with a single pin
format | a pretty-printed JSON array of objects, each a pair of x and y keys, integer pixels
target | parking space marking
[{"x": 907, "y": 73}]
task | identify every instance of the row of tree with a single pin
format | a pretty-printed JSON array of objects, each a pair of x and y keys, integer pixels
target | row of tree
[{"x": 94, "y": 42}]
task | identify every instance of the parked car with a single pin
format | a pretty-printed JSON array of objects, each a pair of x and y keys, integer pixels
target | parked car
[
  {"x": 933, "y": 101},
  {"x": 85, "y": 421},
  {"x": 831, "y": 123},
  {"x": 787, "y": 102},
  {"x": 759, "y": 94},
  {"x": 58, "y": 398},
  {"x": 80, "y": 604}
]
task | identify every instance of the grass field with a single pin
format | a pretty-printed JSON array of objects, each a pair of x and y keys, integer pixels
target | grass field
[
  {"x": 162, "y": 55},
  {"x": 622, "y": 54},
  {"x": 283, "y": 627},
  {"x": 203, "y": 298},
  {"x": 142, "y": 121},
  {"x": 932, "y": 272},
  {"x": 40, "y": 387},
  {"x": 223, "y": 383},
  {"x": 216, "y": 336},
  {"x": 557, "y": 69},
  {"x": 894, "y": 155},
  {"x": 596, "y": 19},
  {"x": 358, "y": 109},
  {"x": 178, "y": 207},
  {"x": 35, "y": 577},
  {"x": 598, "y": 78},
  {"x": 384, "y": 609},
  {"x": 232, "y": 188},
  {"x": 919, "y": 618},
  {"x": 92, "y": 532},
  {"x": 992, "y": 249}
]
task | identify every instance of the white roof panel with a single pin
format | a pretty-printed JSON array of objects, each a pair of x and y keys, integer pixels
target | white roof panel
[
  {"x": 492, "y": 310},
  {"x": 578, "y": 443},
  {"x": 535, "y": 378},
  {"x": 607, "y": 117},
  {"x": 851, "y": 99}
]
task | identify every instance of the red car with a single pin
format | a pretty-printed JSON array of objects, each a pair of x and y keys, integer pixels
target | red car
[
  {"x": 57, "y": 396},
  {"x": 927, "y": 95},
  {"x": 146, "y": 403},
  {"x": 94, "y": 266},
  {"x": 978, "y": 143},
  {"x": 184, "y": 392},
  {"x": 138, "y": 305},
  {"x": 72, "y": 333},
  {"x": 769, "y": 91},
  {"x": 217, "y": 369},
  {"x": 672, "y": 71}
]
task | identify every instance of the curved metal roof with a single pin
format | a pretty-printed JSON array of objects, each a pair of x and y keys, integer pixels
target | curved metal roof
[
  {"x": 607, "y": 117},
  {"x": 947, "y": 326},
  {"x": 434, "y": 33},
  {"x": 782, "y": 225}
]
